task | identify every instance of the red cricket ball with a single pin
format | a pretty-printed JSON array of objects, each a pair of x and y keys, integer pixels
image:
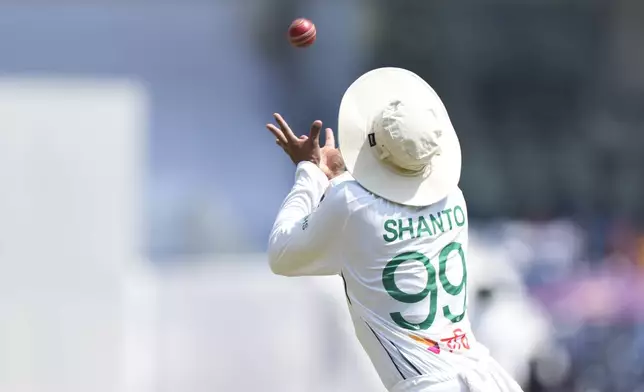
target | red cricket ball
[{"x": 301, "y": 33}]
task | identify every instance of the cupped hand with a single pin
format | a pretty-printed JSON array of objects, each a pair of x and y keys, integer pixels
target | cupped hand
[
  {"x": 307, "y": 148},
  {"x": 298, "y": 149}
]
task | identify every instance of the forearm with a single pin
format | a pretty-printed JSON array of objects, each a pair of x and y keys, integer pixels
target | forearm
[{"x": 288, "y": 246}]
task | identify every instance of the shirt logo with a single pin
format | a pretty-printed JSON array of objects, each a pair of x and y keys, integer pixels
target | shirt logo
[
  {"x": 431, "y": 344},
  {"x": 458, "y": 341},
  {"x": 305, "y": 222}
]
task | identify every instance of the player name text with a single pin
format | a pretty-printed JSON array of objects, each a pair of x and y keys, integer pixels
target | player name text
[{"x": 431, "y": 225}]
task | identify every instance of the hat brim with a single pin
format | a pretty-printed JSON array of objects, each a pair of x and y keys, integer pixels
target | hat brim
[{"x": 365, "y": 99}]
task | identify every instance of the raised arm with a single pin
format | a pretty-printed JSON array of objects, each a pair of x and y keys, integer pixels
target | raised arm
[
  {"x": 306, "y": 228},
  {"x": 305, "y": 233}
]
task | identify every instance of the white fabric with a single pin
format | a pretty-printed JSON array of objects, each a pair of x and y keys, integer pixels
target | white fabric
[
  {"x": 424, "y": 384},
  {"x": 484, "y": 375},
  {"x": 358, "y": 235},
  {"x": 397, "y": 139}
]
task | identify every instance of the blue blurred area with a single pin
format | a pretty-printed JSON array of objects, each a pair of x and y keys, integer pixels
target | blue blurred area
[
  {"x": 215, "y": 176},
  {"x": 546, "y": 99}
]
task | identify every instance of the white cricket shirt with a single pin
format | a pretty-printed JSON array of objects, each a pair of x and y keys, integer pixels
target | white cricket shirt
[{"x": 404, "y": 268}]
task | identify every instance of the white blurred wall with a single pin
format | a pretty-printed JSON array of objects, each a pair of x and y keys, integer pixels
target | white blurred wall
[
  {"x": 227, "y": 323},
  {"x": 71, "y": 154},
  {"x": 79, "y": 309}
]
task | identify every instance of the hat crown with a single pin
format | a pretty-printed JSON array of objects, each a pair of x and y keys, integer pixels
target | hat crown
[{"x": 407, "y": 135}]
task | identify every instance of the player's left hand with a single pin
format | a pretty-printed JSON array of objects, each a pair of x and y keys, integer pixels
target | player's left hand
[
  {"x": 304, "y": 148},
  {"x": 331, "y": 162}
]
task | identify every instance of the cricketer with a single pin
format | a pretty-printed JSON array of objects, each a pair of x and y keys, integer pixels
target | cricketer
[{"x": 385, "y": 213}]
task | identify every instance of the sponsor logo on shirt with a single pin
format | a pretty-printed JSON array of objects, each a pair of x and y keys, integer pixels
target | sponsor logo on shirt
[
  {"x": 305, "y": 222},
  {"x": 431, "y": 344},
  {"x": 458, "y": 341}
]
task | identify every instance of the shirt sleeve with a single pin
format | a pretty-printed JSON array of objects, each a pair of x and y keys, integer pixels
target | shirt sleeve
[{"x": 305, "y": 227}]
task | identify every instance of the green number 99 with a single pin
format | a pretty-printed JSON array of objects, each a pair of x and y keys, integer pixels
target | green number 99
[{"x": 431, "y": 288}]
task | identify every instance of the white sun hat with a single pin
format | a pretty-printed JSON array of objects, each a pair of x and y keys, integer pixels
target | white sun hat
[{"x": 396, "y": 138}]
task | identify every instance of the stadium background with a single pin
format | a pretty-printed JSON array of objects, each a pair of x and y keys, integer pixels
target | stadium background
[{"x": 138, "y": 186}]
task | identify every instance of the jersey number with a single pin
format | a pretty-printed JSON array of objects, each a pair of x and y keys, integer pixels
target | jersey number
[{"x": 431, "y": 289}]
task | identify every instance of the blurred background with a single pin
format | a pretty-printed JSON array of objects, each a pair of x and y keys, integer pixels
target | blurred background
[{"x": 138, "y": 187}]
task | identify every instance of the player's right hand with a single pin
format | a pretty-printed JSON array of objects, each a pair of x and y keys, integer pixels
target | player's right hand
[{"x": 304, "y": 148}]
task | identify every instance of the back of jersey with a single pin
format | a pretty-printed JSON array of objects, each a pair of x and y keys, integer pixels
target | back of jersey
[{"x": 405, "y": 272}]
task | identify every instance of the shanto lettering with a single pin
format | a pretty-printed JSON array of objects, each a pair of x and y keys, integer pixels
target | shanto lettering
[{"x": 428, "y": 226}]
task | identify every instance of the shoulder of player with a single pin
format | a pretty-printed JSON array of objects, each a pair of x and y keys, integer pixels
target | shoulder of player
[
  {"x": 345, "y": 189},
  {"x": 457, "y": 195}
]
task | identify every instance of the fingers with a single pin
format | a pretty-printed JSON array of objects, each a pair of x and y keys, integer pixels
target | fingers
[
  {"x": 279, "y": 135},
  {"x": 284, "y": 135},
  {"x": 314, "y": 135},
  {"x": 330, "y": 138},
  {"x": 285, "y": 128}
]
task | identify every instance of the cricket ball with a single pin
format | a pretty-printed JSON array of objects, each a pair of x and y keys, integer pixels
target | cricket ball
[{"x": 301, "y": 33}]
